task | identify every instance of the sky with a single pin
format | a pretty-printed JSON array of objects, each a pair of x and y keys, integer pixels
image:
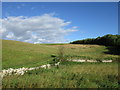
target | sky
[{"x": 58, "y": 22}]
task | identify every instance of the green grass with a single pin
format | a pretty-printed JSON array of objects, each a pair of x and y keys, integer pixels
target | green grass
[
  {"x": 17, "y": 54},
  {"x": 54, "y": 44},
  {"x": 68, "y": 75}
]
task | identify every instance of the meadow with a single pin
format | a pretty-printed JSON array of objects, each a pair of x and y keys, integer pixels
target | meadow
[
  {"x": 67, "y": 75},
  {"x": 17, "y": 54}
]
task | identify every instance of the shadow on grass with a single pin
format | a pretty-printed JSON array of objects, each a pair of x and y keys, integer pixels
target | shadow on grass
[{"x": 113, "y": 50}]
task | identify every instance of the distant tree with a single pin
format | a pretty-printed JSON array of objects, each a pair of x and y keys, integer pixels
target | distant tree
[{"x": 108, "y": 40}]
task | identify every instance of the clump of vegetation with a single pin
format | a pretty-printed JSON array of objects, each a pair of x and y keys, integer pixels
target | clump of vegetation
[
  {"x": 55, "y": 59},
  {"x": 98, "y": 60},
  {"x": 60, "y": 57},
  {"x": 61, "y": 54},
  {"x": 108, "y": 40}
]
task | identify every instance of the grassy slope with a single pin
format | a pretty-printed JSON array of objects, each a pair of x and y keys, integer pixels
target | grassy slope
[
  {"x": 68, "y": 75},
  {"x": 18, "y": 54}
]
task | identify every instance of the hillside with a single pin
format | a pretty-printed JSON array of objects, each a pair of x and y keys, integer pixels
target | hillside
[
  {"x": 18, "y": 54},
  {"x": 67, "y": 75}
]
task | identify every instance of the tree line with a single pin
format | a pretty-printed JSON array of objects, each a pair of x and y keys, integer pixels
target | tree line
[{"x": 107, "y": 40}]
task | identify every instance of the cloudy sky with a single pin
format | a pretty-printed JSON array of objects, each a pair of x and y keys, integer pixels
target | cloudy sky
[{"x": 50, "y": 22}]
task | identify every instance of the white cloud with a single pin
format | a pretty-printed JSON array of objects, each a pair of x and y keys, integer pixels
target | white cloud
[
  {"x": 36, "y": 29},
  {"x": 75, "y": 27}
]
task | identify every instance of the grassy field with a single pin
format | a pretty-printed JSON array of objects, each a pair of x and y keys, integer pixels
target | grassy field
[
  {"x": 68, "y": 75},
  {"x": 17, "y": 54}
]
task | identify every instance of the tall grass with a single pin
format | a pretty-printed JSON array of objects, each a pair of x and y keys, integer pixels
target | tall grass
[
  {"x": 61, "y": 53},
  {"x": 69, "y": 75}
]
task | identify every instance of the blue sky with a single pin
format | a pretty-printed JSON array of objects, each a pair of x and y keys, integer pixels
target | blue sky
[{"x": 92, "y": 19}]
